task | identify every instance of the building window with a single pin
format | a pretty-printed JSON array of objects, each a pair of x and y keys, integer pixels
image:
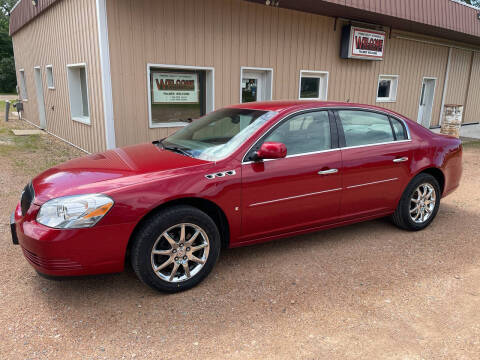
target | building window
[
  {"x": 387, "y": 88},
  {"x": 256, "y": 84},
  {"x": 313, "y": 85},
  {"x": 178, "y": 94},
  {"x": 50, "y": 81},
  {"x": 23, "y": 85},
  {"x": 78, "y": 92}
]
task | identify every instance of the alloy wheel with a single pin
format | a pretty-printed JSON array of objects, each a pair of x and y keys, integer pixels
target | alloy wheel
[
  {"x": 180, "y": 252},
  {"x": 422, "y": 203}
]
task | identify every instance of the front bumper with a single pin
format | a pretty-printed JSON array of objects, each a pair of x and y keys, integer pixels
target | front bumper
[
  {"x": 70, "y": 252},
  {"x": 13, "y": 229}
]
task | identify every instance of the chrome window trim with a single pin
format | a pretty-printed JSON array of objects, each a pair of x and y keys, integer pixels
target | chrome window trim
[
  {"x": 328, "y": 150},
  {"x": 368, "y": 145}
]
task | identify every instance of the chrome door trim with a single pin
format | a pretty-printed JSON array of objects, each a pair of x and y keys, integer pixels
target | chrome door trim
[
  {"x": 371, "y": 183},
  {"x": 409, "y": 139},
  {"x": 293, "y": 197}
]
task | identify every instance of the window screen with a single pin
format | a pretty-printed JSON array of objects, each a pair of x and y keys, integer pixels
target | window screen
[
  {"x": 364, "y": 127},
  {"x": 309, "y": 132}
]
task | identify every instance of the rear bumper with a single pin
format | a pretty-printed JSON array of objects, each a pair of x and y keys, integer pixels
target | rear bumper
[{"x": 72, "y": 252}]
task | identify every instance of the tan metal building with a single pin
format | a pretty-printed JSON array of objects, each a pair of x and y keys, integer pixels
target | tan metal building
[{"x": 106, "y": 73}]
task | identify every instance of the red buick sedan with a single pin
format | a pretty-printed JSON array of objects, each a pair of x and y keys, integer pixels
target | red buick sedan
[{"x": 240, "y": 175}]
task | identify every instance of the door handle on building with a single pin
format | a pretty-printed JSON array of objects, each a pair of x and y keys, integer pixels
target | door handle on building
[
  {"x": 329, "y": 171},
  {"x": 402, "y": 159}
]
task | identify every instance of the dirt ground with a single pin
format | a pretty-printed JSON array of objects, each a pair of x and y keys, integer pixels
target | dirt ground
[{"x": 366, "y": 291}]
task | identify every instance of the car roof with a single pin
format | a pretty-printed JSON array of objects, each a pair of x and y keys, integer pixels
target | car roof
[{"x": 293, "y": 105}]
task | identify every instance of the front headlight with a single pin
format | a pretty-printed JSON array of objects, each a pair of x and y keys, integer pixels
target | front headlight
[{"x": 73, "y": 212}]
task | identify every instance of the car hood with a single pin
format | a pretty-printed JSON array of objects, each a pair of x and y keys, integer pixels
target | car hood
[{"x": 113, "y": 169}]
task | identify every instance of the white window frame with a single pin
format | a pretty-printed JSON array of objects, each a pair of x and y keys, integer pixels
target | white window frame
[
  {"x": 209, "y": 95},
  {"x": 49, "y": 75},
  {"x": 23, "y": 85},
  {"x": 269, "y": 72},
  {"x": 82, "y": 119},
  {"x": 393, "y": 88},
  {"x": 323, "y": 76}
]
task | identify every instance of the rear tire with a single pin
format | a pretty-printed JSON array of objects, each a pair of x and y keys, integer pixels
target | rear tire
[
  {"x": 419, "y": 203},
  {"x": 176, "y": 249}
]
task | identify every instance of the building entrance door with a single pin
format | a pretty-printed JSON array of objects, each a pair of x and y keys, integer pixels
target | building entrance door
[
  {"x": 40, "y": 99},
  {"x": 426, "y": 102}
]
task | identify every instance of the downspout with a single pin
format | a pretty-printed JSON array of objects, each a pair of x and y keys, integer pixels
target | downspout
[
  {"x": 445, "y": 85},
  {"x": 106, "y": 74}
]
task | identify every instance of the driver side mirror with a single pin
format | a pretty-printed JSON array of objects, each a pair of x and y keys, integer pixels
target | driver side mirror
[{"x": 271, "y": 150}]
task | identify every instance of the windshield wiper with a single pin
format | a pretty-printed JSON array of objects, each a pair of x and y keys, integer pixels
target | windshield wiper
[
  {"x": 178, "y": 150},
  {"x": 172, "y": 148}
]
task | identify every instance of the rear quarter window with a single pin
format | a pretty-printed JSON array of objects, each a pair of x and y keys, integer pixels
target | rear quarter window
[{"x": 399, "y": 129}]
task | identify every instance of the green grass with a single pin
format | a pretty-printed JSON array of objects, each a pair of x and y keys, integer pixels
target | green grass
[
  {"x": 9, "y": 143},
  {"x": 31, "y": 154}
]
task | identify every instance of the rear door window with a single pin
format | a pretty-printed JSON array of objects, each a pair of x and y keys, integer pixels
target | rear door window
[{"x": 365, "y": 128}]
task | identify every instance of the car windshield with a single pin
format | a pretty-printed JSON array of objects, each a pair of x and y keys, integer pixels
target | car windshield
[{"x": 218, "y": 134}]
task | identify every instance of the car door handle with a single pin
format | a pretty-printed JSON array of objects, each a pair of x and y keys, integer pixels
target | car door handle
[
  {"x": 329, "y": 171},
  {"x": 402, "y": 159}
]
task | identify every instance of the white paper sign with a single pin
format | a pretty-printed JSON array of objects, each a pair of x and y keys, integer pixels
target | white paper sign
[{"x": 175, "y": 88}]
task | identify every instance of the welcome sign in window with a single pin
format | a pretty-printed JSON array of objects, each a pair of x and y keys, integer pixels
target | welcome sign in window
[{"x": 176, "y": 96}]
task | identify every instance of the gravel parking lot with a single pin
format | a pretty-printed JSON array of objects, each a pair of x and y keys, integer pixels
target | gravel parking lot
[{"x": 366, "y": 291}]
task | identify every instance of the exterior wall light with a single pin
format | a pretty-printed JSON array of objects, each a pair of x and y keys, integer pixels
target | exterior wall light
[
  {"x": 34, "y": 2},
  {"x": 272, "y": 2}
]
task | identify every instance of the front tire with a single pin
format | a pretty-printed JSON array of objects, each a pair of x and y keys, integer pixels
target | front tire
[
  {"x": 176, "y": 249},
  {"x": 419, "y": 203}
]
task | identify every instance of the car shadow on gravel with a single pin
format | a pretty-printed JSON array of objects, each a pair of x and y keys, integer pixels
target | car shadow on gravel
[{"x": 373, "y": 253}]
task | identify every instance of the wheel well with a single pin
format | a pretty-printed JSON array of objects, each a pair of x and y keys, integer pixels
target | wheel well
[
  {"x": 437, "y": 174},
  {"x": 207, "y": 206}
]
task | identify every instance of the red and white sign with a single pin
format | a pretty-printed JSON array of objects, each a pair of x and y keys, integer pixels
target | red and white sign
[
  {"x": 366, "y": 44},
  {"x": 174, "y": 88}
]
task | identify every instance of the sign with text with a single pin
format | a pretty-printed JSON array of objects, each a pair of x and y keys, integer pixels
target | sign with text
[
  {"x": 360, "y": 43},
  {"x": 174, "y": 88}
]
